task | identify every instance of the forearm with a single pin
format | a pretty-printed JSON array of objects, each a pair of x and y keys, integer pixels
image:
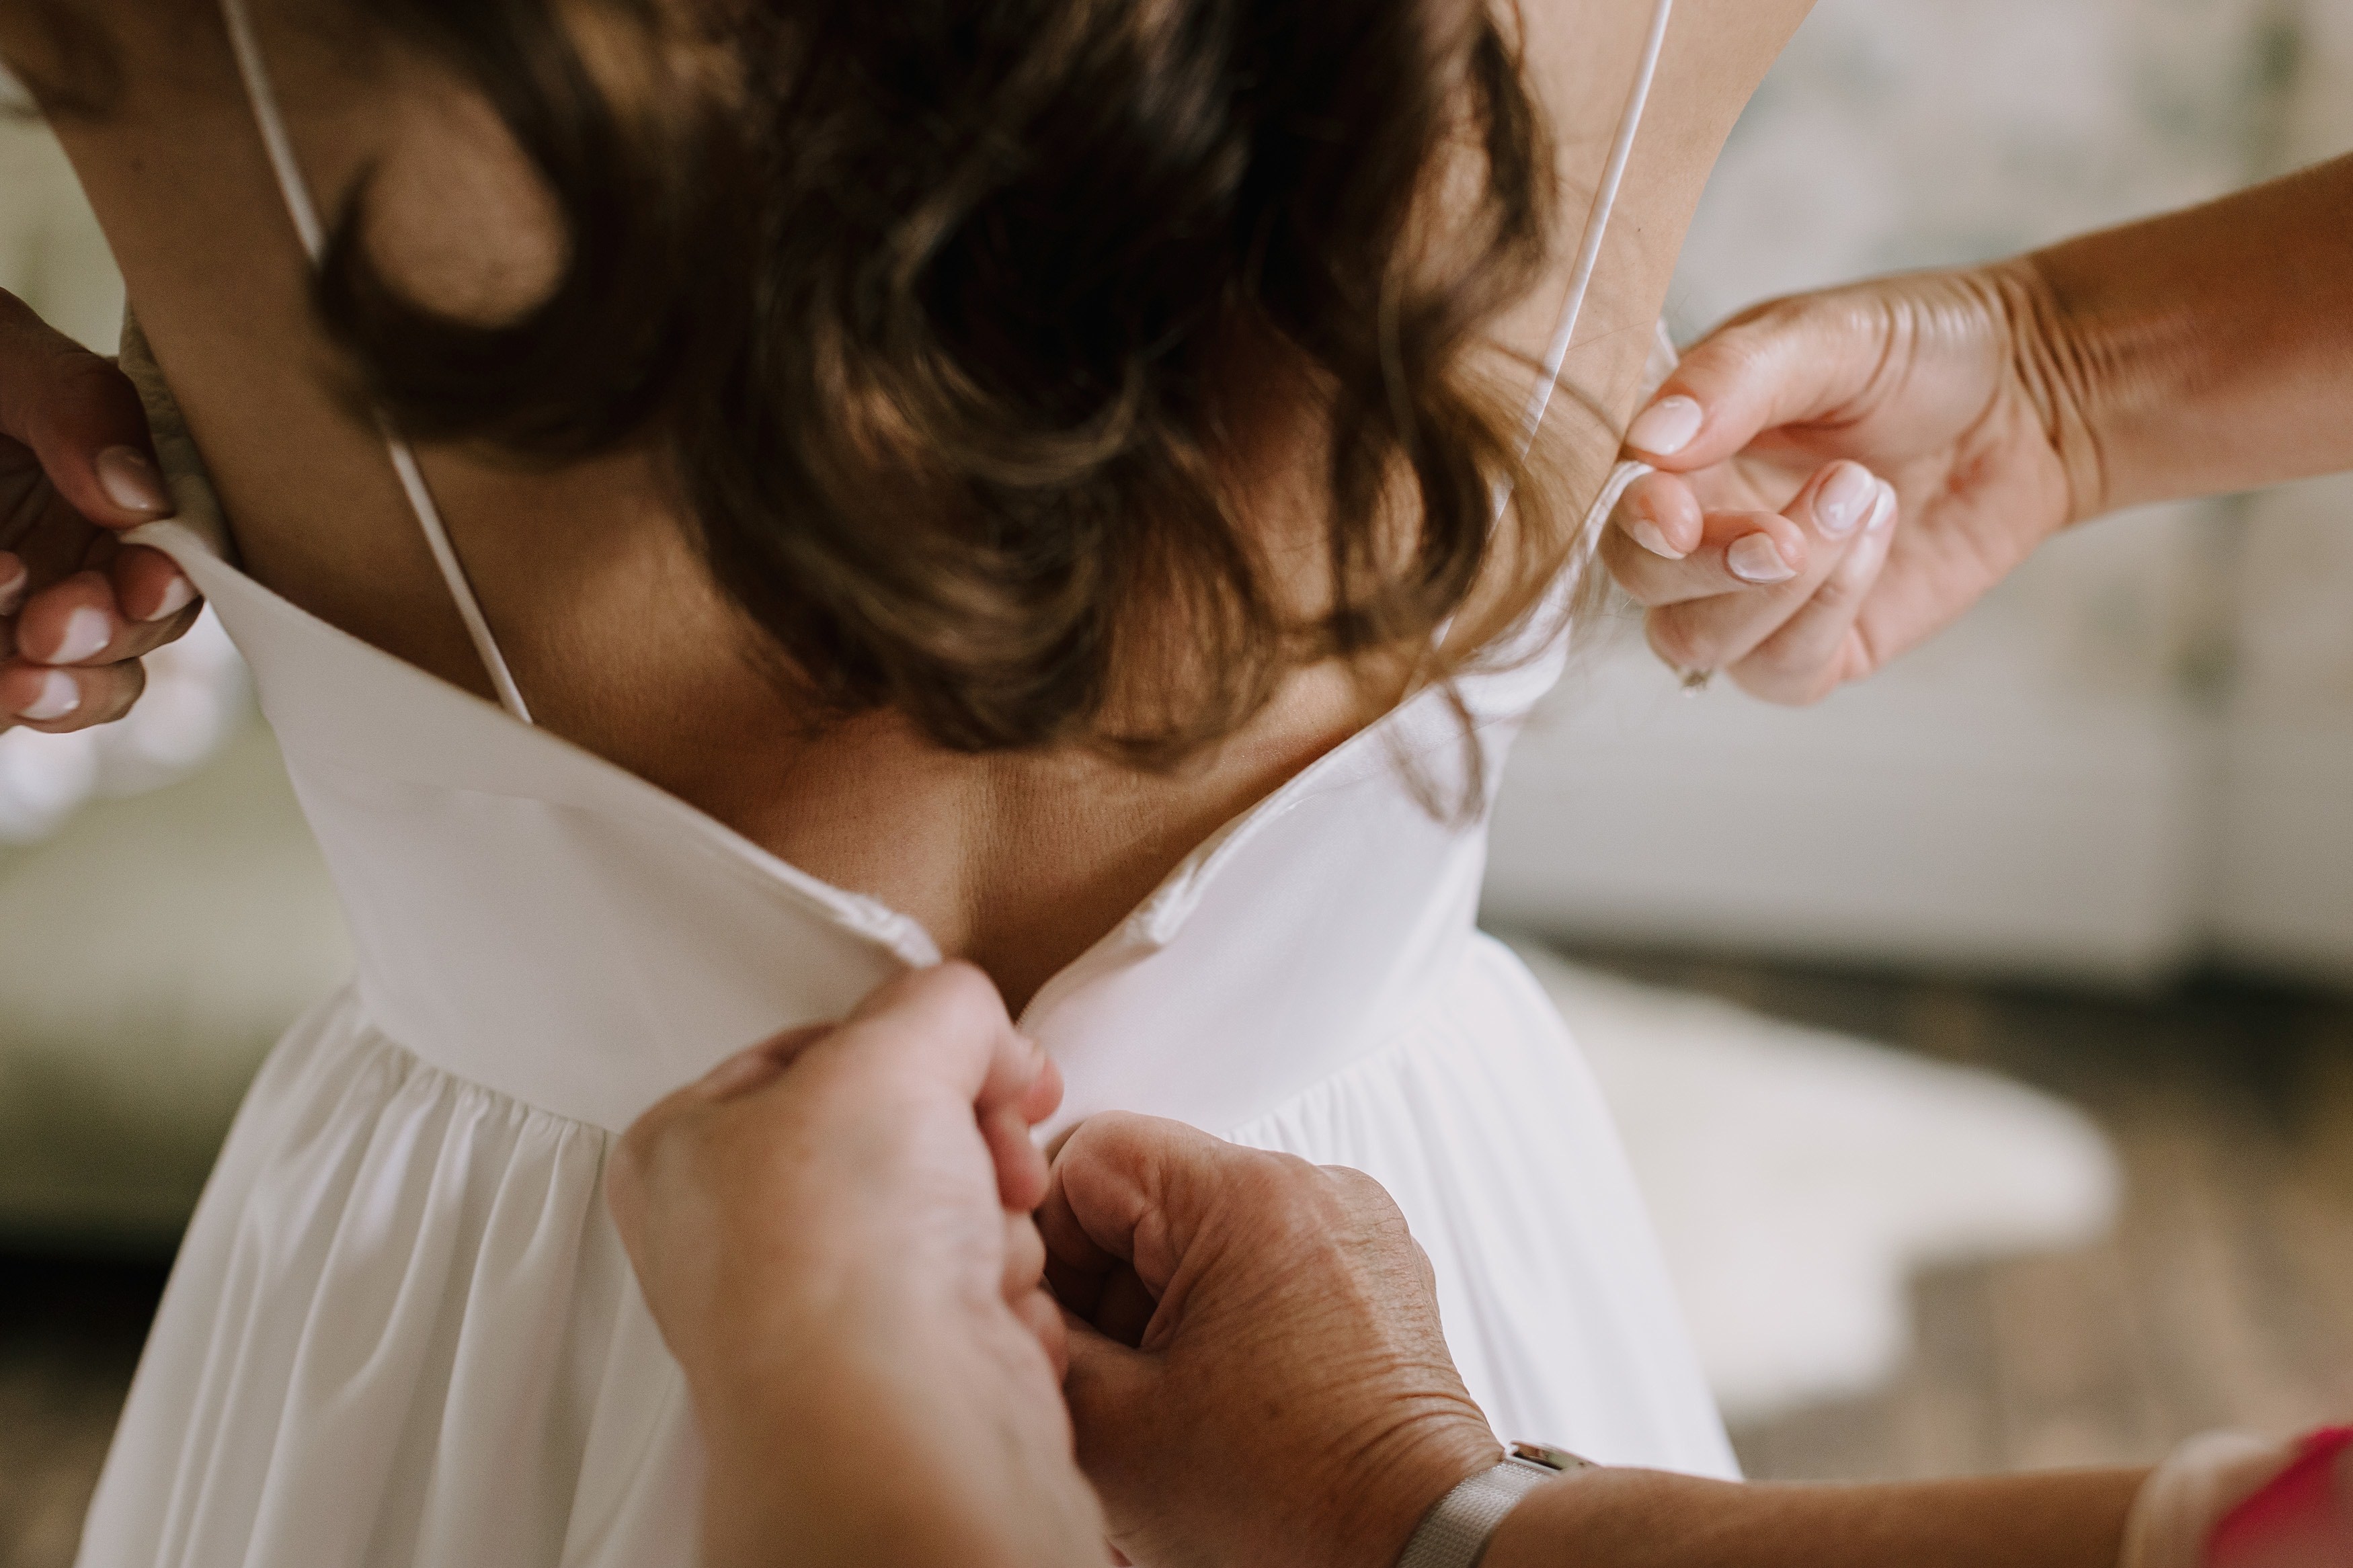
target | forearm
[
  {"x": 2202, "y": 352},
  {"x": 1637, "y": 1519}
]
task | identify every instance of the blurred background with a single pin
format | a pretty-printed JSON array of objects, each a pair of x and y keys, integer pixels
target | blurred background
[{"x": 1981, "y": 1035}]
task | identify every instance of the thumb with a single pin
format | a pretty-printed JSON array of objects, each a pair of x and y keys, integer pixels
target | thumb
[
  {"x": 1793, "y": 361},
  {"x": 1134, "y": 1190},
  {"x": 81, "y": 418}
]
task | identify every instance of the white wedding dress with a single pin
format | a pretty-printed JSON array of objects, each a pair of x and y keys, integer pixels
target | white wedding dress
[{"x": 401, "y": 1330}]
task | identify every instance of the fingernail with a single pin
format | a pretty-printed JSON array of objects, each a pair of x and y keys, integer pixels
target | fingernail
[
  {"x": 178, "y": 594},
  {"x": 1757, "y": 559},
  {"x": 1646, "y": 533},
  {"x": 131, "y": 482},
  {"x": 13, "y": 580},
  {"x": 60, "y": 695},
  {"x": 1884, "y": 509},
  {"x": 1667, "y": 427},
  {"x": 87, "y": 631},
  {"x": 1846, "y": 498}
]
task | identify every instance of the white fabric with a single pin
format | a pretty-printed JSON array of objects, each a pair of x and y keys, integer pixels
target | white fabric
[{"x": 401, "y": 1330}]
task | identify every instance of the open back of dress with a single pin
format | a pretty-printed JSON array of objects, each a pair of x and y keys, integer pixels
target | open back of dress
[{"x": 401, "y": 1330}]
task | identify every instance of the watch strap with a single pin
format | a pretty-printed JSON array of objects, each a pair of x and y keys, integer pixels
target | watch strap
[{"x": 1454, "y": 1533}]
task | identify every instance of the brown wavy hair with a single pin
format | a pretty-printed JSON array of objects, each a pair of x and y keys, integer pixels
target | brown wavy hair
[{"x": 937, "y": 310}]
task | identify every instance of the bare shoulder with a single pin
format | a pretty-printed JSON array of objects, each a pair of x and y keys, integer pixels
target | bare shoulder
[
  {"x": 1583, "y": 57},
  {"x": 147, "y": 99}
]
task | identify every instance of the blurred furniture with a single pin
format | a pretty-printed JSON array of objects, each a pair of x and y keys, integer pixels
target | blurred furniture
[{"x": 2139, "y": 752}]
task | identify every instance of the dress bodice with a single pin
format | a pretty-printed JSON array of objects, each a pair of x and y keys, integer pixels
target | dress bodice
[{"x": 533, "y": 918}]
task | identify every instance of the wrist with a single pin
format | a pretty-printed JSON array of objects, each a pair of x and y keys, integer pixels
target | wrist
[
  {"x": 891, "y": 1446},
  {"x": 2209, "y": 350},
  {"x": 2062, "y": 368},
  {"x": 1460, "y": 1532},
  {"x": 787, "y": 1436},
  {"x": 1394, "y": 1488}
]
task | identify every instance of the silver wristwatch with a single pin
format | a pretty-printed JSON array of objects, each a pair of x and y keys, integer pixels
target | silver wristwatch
[{"x": 1455, "y": 1534}]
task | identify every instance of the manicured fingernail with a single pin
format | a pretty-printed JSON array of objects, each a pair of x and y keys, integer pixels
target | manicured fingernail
[
  {"x": 1846, "y": 498},
  {"x": 1645, "y": 532},
  {"x": 1667, "y": 427},
  {"x": 1757, "y": 559},
  {"x": 1884, "y": 508},
  {"x": 178, "y": 594},
  {"x": 58, "y": 696},
  {"x": 131, "y": 482},
  {"x": 13, "y": 580},
  {"x": 87, "y": 631}
]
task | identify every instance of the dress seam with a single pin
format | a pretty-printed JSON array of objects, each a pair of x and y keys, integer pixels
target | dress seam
[{"x": 370, "y": 1034}]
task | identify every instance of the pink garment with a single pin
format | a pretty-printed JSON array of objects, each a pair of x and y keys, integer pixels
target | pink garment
[{"x": 2301, "y": 1519}]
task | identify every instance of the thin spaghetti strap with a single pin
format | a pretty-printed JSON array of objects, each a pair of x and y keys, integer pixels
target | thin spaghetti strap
[
  {"x": 1580, "y": 282},
  {"x": 1597, "y": 222},
  {"x": 255, "y": 72}
]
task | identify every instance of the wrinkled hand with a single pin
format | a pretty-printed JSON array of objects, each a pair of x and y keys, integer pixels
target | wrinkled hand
[
  {"x": 77, "y": 608},
  {"x": 1770, "y": 547},
  {"x": 1256, "y": 1369},
  {"x": 832, "y": 1231}
]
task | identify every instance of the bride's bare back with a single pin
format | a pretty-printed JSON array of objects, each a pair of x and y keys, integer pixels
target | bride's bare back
[{"x": 606, "y": 615}]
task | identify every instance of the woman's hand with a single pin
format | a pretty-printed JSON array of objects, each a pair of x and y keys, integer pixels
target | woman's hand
[
  {"x": 78, "y": 609},
  {"x": 1257, "y": 1370},
  {"x": 832, "y": 1231},
  {"x": 1767, "y": 546}
]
